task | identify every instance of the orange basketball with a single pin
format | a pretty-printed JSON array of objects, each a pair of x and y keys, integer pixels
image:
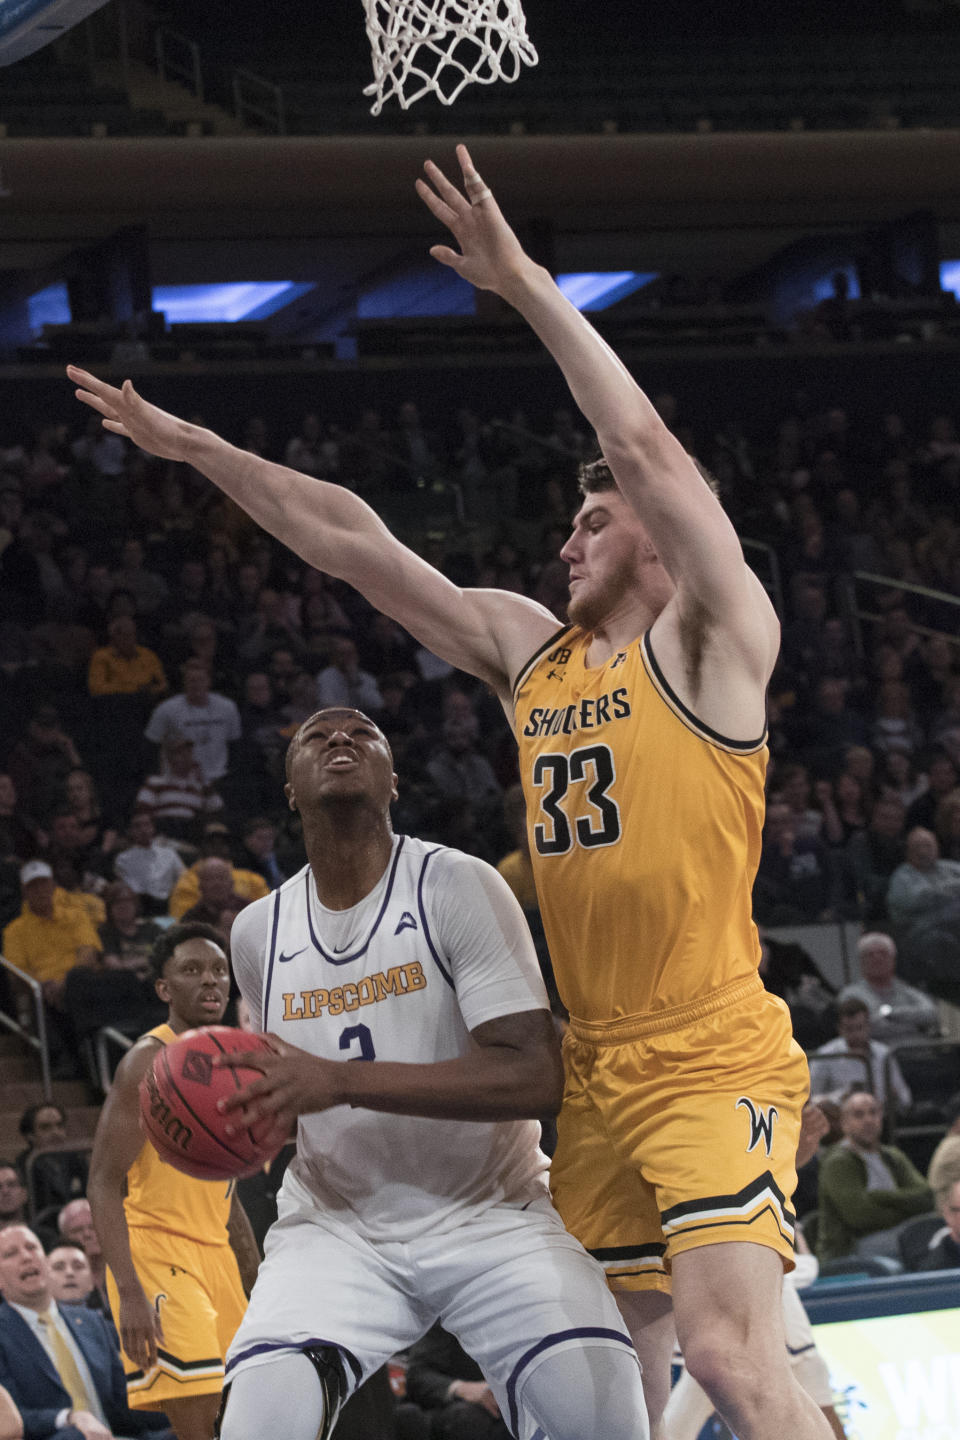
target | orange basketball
[{"x": 178, "y": 1106}]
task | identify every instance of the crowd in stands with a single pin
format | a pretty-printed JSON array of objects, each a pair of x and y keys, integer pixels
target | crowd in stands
[{"x": 158, "y": 653}]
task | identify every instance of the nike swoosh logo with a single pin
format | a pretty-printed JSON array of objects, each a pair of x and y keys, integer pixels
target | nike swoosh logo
[
  {"x": 339, "y": 949},
  {"x": 284, "y": 958}
]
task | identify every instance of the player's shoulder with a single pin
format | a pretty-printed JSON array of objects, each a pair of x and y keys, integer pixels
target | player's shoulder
[
  {"x": 253, "y": 921},
  {"x": 547, "y": 639},
  {"x": 137, "y": 1060},
  {"x": 444, "y": 868}
]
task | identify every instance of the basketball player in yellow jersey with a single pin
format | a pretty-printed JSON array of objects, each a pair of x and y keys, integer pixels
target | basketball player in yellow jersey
[
  {"x": 642, "y": 747},
  {"x": 173, "y": 1279}
]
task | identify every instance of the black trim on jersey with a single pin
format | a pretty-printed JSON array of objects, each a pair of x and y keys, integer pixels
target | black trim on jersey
[
  {"x": 423, "y": 921},
  {"x": 695, "y": 721},
  {"x": 273, "y": 952},
  {"x": 628, "y": 1252},
  {"x": 524, "y": 669},
  {"x": 356, "y": 954},
  {"x": 186, "y": 1366},
  {"x": 751, "y": 1191}
]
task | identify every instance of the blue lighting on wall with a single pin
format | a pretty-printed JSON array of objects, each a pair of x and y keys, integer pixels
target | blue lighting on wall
[
  {"x": 242, "y": 300},
  {"x": 424, "y": 291},
  {"x": 598, "y": 289},
  {"x": 950, "y": 276},
  {"x": 823, "y": 287},
  {"x": 50, "y": 306}
]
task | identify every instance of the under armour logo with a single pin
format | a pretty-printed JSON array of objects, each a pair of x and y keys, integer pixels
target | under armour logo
[
  {"x": 198, "y": 1067},
  {"x": 761, "y": 1123},
  {"x": 406, "y": 922},
  {"x": 621, "y": 656}
]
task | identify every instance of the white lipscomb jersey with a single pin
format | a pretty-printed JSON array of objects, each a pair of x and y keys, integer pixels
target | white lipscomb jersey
[{"x": 437, "y": 948}]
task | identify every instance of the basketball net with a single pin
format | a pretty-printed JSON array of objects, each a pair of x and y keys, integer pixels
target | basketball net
[{"x": 439, "y": 46}]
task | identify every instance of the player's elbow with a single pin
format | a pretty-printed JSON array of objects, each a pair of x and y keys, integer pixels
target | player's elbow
[{"x": 545, "y": 1094}]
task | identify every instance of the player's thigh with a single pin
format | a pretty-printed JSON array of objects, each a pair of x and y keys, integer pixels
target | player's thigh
[
  {"x": 517, "y": 1289},
  {"x": 319, "y": 1284},
  {"x": 719, "y": 1146},
  {"x": 599, "y": 1190},
  {"x": 225, "y": 1289},
  {"x": 728, "y": 1308}
]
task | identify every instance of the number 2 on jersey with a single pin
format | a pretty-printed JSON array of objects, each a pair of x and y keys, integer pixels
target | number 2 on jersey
[
  {"x": 553, "y": 775},
  {"x": 360, "y": 1033}
]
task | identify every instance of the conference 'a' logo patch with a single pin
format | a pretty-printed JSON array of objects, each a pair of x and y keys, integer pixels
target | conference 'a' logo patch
[
  {"x": 761, "y": 1123},
  {"x": 406, "y": 922}
]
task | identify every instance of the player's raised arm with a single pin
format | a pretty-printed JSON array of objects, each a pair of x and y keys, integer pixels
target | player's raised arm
[
  {"x": 490, "y": 633},
  {"x": 693, "y": 537}
]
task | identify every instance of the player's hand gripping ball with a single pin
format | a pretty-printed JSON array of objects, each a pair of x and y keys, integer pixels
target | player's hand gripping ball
[{"x": 178, "y": 1106}]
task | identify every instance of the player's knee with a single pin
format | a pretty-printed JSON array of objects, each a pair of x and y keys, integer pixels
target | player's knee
[
  {"x": 734, "y": 1375},
  {"x": 307, "y": 1388},
  {"x": 594, "y": 1393}
]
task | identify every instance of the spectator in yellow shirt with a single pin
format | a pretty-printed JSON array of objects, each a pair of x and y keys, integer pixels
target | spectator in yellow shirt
[
  {"x": 51, "y": 934},
  {"x": 123, "y": 667},
  {"x": 216, "y": 841}
]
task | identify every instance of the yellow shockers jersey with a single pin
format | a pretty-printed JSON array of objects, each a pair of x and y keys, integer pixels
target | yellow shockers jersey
[
  {"x": 644, "y": 830},
  {"x": 162, "y": 1198}
]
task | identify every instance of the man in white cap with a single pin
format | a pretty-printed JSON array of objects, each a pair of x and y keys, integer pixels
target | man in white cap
[{"x": 51, "y": 935}]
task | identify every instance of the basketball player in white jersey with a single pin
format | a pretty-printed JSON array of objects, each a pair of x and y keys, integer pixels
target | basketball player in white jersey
[{"x": 418, "y": 1190}]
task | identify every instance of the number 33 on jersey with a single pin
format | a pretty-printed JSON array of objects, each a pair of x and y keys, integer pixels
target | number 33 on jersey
[{"x": 618, "y": 774}]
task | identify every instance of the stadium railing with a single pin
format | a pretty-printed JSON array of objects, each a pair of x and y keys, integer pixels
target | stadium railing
[{"x": 36, "y": 1038}]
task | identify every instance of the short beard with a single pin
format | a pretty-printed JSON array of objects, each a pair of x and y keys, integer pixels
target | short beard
[{"x": 590, "y": 611}]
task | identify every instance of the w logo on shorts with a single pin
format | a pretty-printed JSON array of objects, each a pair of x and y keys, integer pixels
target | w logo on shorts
[{"x": 761, "y": 1123}]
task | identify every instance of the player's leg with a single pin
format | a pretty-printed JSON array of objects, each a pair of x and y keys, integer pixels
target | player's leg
[
  {"x": 188, "y": 1377},
  {"x": 689, "y": 1406},
  {"x": 193, "y": 1418},
  {"x": 686, "y": 1412},
  {"x": 809, "y": 1366},
  {"x": 727, "y": 1301},
  {"x": 589, "y": 1393},
  {"x": 532, "y": 1308},
  {"x": 325, "y": 1294},
  {"x": 648, "y": 1315},
  {"x": 298, "y": 1394},
  {"x": 606, "y": 1203}
]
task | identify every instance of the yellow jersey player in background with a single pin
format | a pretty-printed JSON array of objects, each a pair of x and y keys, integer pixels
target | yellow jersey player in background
[
  {"x": 641, "y": 730},
  {"x": 173, "y": 1280}
]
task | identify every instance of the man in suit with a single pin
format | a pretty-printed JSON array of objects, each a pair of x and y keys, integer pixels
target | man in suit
[{"x": 59, "y": 1362}]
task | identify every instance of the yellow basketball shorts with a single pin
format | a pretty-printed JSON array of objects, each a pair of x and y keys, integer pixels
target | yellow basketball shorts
[
  {"x": 197, "y": 1293},
  {"x": 678, "y": 1130}
]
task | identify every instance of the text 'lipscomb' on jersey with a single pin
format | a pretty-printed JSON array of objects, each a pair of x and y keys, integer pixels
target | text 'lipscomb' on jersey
[
  {"x": 583, "y": 715},
  {"x": 398, "y": 980}
]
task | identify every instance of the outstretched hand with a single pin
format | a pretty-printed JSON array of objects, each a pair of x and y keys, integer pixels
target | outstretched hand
[
  {"x": 127, "y": 413},
  {"x": 490, "y": 254}
]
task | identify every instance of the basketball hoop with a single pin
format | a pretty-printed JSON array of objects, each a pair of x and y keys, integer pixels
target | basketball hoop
[{"x": 439, "y": 46}]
